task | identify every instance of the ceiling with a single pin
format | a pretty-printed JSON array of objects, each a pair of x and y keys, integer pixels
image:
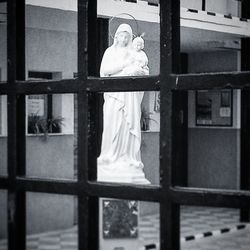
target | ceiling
[{"x": 195, "y": 40}]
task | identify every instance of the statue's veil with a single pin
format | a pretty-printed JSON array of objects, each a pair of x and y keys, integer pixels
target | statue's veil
[
  {"x": 124, "y": 28},
  {"x": 110, "y": 53}
]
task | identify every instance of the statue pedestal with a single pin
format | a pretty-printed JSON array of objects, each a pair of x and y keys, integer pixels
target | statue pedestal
[
  {"x": 119, "y": 219},
  {"x": 121, "y": 173}
]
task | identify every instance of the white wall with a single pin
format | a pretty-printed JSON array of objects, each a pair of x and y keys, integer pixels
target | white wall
[
  {"x": 192, "y": 4},
  {"x": 219, "y": 6},
  {"x": 217, "y": 61},
  {"x": 223, "y": 6}
]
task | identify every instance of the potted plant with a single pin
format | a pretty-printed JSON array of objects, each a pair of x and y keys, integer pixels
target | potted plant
[
  {"x": 40, "y": 125},
  {"x": 54, "y": 124},
  {"x": 35, "y": 124}
]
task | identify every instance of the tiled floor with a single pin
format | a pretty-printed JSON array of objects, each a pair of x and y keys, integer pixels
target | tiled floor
[
  {"x": 194, "y": 221},
  {"x": 239, "y": 240},
  {"x": 57, "y": 240}
]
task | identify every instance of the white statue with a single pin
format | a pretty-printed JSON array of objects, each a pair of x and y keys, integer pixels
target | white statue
[{"x": 120, "y": 158}]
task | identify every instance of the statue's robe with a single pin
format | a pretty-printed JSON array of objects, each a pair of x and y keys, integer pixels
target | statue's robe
[{"x": 120, "y": 158}]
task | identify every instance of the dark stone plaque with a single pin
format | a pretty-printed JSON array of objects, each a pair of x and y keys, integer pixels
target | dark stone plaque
[{"x": 120, "y": 219}]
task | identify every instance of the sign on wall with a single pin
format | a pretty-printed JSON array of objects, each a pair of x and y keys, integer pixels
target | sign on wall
[
  {"x": 214, "y": 108},
  {"x": 36, "y": 107}
]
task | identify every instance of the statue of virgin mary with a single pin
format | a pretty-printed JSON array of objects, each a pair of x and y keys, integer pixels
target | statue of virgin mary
[{"x": 120, "y": 158}]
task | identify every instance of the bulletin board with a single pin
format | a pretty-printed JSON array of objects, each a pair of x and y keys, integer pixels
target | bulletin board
[{"x": 214, "y": 108}]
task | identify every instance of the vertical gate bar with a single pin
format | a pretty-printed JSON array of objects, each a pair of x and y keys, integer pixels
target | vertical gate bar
[
  {"x": 82, "y": 137},
  {"x": 82, "y": 103},
  {"x": 176, "y": 40},
  {"x": 245, "y": 6},
  {"x": 245, "y": 143},
  {"x": 11, "y": 41},
  {"x": 170, "y": 217},
  {"x": 21, "y": 126},
  {"x": 83, "y": 227},
  {"x": 11, "y": 75},
  {"x": 245, "y": 131},
  {"x": 203, "y": 7},
  {"x": 20, "y": 75},
  {"x": 179, "y": 118},
  {"x": 12, "y": 226},
  {"x": 180, "y": 143},
  {"x": 87, "y": 207},
  {"x": 245, "y": 111},
  {"x": 82, "y": 27},
  {"x": 84, "y": 235},
  {"x": 49, "y": 106},
  {"x": 169, "y": 63},
  {"x": 93, "y": 220},
  {"x": 165, "y": 69},
  {"x": 21, "y": 219},
  {"x": 93, "y": 69},
  {"x": 82, "y": 127},
  {"x": 82, "y": 170},
  {"x": 165, "y": 37},
  {"x": 93, "y": 39},
  {"x": 100, "y": 35},
  {"x": 20, "y": 40},
  {"x": 12, "y": 154},
  {"x": 92, "y": 102},
  {"x": 92, "y": 136},
  {"x": 169, "y": 38},
  {"x": 103, "y": 43},
  {"x": 103, "y": 39}
]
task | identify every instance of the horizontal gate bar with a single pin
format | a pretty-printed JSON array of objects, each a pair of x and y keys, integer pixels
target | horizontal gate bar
[
  {"x": 232, "y": 80},
  {"x": 125, "y": 191},
  {"x": 210, "y": 197},
  {"x": 69, "y": 187},
  {"x": 203, "y": 81}
]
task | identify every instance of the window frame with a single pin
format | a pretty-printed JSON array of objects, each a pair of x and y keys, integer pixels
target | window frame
[
  {"x": 216, "y": 124},
  {"x": 169, "y": 195},
  {"x": 50, "y": 100}
]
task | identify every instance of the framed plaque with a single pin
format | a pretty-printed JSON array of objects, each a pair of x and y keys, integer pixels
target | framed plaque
[{"x": 214, "y": 108}]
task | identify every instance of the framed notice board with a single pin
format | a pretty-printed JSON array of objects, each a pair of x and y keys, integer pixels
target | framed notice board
[{"x": 214, "y": 108}]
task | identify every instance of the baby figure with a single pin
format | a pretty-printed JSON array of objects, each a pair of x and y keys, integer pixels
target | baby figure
[{"x": 138, "y": 59}]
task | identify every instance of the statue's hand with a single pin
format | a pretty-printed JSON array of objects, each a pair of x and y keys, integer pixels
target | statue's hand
[
  {"x": 128, "y": 62},
  {"x": 140, "y": 72}
]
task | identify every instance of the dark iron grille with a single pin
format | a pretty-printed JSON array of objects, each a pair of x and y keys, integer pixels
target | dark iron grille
[
  {"x": 234, "y": 80},
  {"x": 168, "y": 195}
]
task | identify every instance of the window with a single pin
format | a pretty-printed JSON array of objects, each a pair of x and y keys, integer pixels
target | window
[
  {"x": 172, "y": 193},
  {"x": 45, "y": 114},
  {"x": 40, "y": 107}
]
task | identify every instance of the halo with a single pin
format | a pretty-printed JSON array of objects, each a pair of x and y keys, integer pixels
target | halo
[{"x": 113, "y": 17}]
